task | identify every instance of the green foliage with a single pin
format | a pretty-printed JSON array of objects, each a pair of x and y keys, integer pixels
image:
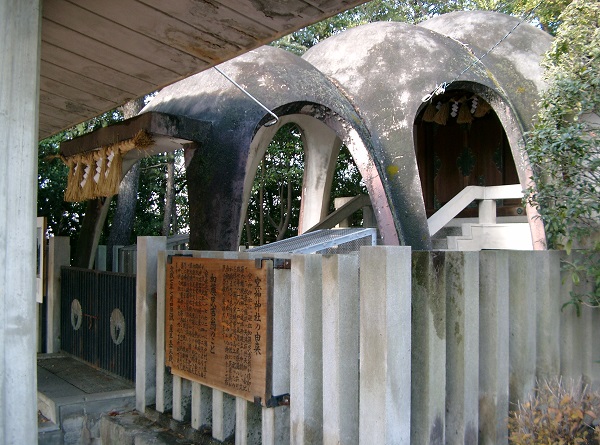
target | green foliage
[
  {"x": 564, "y": 146},
  {"x": 283, "y": 164},
  {"x": 65, "y": 218},
  {"x": 281, "y": 167},
  {"x": 373, "y": 11},
  {"x": 557, "y": 413},
  {"x": 545, "y": 15}
]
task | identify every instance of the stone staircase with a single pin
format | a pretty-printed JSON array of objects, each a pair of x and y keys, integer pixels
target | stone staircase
[{"x": 72, "y": 398}]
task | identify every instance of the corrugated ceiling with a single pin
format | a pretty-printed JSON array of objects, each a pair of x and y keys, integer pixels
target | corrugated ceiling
[{"x": 98, "y": 54}]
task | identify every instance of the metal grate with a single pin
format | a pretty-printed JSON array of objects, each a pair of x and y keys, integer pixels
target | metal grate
[
  {"x": 324, "y": 242},
  {"x": 98, "y": 318}
]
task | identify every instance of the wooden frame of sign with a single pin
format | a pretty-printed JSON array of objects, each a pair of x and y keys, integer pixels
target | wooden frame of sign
[{"x": 218, "y": 324}]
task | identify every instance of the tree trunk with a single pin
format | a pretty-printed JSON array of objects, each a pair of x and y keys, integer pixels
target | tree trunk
[
  {"x": 89, "y": 234},
  {"x": 169, "y": 196}
]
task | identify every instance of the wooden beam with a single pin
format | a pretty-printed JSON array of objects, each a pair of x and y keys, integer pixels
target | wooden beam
[{"x": 160, "y": 126}]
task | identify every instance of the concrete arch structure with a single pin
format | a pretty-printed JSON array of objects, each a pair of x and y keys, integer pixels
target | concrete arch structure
[
  {"x": 228, "y": 159},
  {"x": 363, "y": 87},
  {"x": 387, "y": 68}
]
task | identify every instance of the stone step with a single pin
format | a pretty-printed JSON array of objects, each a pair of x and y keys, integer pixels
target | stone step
[
  {"x": 153, "y": 428},
  {"x": 49, "y": 433}
]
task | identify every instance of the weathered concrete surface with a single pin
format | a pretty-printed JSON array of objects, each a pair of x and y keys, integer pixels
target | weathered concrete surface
[
  {"x": 20, "y": 22},
  {"x": 387, "y": 68},
  {"x": 74, "y": 395},
  {"x": 385, "y": 345},
  {"x": 152, "y": 428},
  {"x": 366, "y": 86},
  {"x": 289, "y": 86},
  {"x": 493, "y": 347},
  {"x": 515, "y": 63},
  {"x": 306, "y": 355},
  {"x": 145, "y": 307},
  {"x": 428, "y": 412}
]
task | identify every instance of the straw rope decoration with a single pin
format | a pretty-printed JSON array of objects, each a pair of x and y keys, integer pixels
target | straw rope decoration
[{"x": 98, "y": 173}]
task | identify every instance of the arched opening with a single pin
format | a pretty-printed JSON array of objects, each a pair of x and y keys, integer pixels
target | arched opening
[
  {"x": 334, "y": 153},
  {"x": 281, "y": 204},
  {"x": 459, "y": 142}
]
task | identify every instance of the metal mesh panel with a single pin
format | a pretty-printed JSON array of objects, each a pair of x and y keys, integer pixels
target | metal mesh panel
[
  {"x": 323, "y": 241},
  {"x": 348, "y": 247}
]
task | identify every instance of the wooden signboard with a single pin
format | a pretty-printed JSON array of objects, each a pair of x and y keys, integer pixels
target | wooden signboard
[{"x": 218, "y": 324}]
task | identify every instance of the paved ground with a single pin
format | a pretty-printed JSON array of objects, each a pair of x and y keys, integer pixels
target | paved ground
[{"x": 73, "y": 396}]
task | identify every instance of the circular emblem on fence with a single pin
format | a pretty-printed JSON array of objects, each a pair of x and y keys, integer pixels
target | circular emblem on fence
[
  {"x": 76, "y": 314},
  {"x": 117, "y": 326}
]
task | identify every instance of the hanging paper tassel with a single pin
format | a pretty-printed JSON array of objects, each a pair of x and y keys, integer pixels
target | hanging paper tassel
[
  {"x": 429, "y": 113},
  {"x": 454, "y": 108},
  {"x": 464, "y": 114},
  {"x": 113, "y": 171},
  {"x": 441, "y": 117},
  {"x": 88, "y": 184},
  {"x": 482, "y": 109},
  {"x": 474, "y": 101}
]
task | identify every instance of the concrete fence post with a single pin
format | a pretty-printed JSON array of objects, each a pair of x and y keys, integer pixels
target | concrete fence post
[
  {"x": 547, "y": 276},
  {"x": 385, "y": 345},
  {"x": 522, "y": 314},
  {"x": 146, "y": 295},
  {"x": 579, "y": 353},
  {"x": 340, "y": 349},
  {"x": 428, "y": 377},
  {"x": 59, "y": 251},
  {"x": 306, "y": 354},
  {"x": 462, "y": 347},
  {"x": 164, "y": 379},
  {"x": 493, "y": 347}
]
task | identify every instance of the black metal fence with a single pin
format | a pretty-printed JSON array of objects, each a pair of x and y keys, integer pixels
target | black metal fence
[{"x": 98, "y": 318}]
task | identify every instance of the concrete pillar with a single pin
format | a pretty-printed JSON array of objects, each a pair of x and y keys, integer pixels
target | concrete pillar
[
  {"x": 493, "y": 347},
  {"x": 164, "y": 379},
  {"x": 182, "y": 399},
  {"x": 20, "y": 22},
  {"x": 462, "y": 347},
  {"x": 275, "y": 425},
  {"x": 115, "y": 259},
  {"x": 306, "y": 356},
  {"x": 247, "y": 423},
  {"x": 385, "y": 342},
  {"x": 201, "y": 405},
  {"x": 522, "y": 313},
  {"x": 428, "y": 377},
  {"x": 340, "y": 202},
  {"x": 145, "y": 342},
  {"x": 321, "y": 148},
  {"x": 59, "y": 251},
  {"x": 223, "y": 409},
  {"x": 487, "y": 211},
  {"x": 579, "y": 353},
  {"x": 547, "y": 276},
  {"x": 340, "y": 349},
  {"x": 100, "y": 261}
]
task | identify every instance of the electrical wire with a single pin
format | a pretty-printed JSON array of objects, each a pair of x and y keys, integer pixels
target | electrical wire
[
  {"x": 267, "y": 124},
  {"x": 441, "y": 88}
]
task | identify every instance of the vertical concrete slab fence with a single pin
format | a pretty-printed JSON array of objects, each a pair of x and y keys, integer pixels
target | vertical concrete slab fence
[{"x": 393, "y": 346}]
